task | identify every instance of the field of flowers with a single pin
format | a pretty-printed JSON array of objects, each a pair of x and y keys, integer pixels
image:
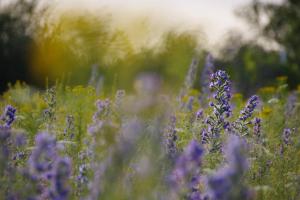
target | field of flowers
[{"x": 213, "y": 144}]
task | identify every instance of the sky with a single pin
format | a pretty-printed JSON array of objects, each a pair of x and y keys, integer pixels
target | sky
[{"x": 213, "y": 18}]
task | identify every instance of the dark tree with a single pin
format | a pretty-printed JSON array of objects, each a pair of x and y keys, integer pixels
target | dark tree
[
  {"x": 16, "y": 39},
  {"x": 279, "y": 22}
]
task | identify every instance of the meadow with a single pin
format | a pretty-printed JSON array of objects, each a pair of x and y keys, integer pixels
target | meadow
[{"x": 198, "y": 144}]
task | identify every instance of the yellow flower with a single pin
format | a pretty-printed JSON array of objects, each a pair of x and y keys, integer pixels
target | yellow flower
[
  {"x": 282, "y": 78},
  {"x": 237, "y": 96},
  {"x": 266, "y": 111},
  {"x": 267, "y": 90}
]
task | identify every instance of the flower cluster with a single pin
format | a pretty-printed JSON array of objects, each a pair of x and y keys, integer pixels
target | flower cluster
[
  {"x": 247, "y": 112},
  {"x": 61, "y": 175},
  {"x": 221, "y": 86},
  {"x": 186, "y": 174},
  {"x": 134, "y": 148},
  {"x": 44, "y": 154},
  {"x": 103, "y": 110},
  {"x": 199, "y": 114},
  {"x": 9, "y": 115},
  {"x": 48, "y": 167},
  {"x": 286, "y": 136},
  {"x": 82, "y": 176},
  {"x": 241, "y": 125},
  {"x": 226, "y": 183},
  {"x": 257, "y": 128}
]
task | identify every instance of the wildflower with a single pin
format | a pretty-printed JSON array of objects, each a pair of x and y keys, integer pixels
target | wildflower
[
  {"x": 117, "y": 156},
  {"x": 70, "y": 128},
  {"x": 4, "y": 133},
  {"x": 241, "y": 125},
  {"x": 227, "y": 182},
  {"x": 199, "y": 114},
  {"x": 43, "y": 156},
  {"x": 204, "y": 136},
  {"x": 103, "y": 111},
  {"x": 257, "y": 128},
  {"x": 120, "y": 94},
  {"x": 82, "y": 177},
  {"x": 291, "y": 104},
  {"x": 286, "y": 136},
  {"x": 186, "y": 174},
  {"x": 206, "y": 72},
  {"x": 19, "y": 155},
  {"x": 62, "y": 172},
  {"x": 249, "y": 109},
  {"x": 129, "y": 135},
  {"x": 20, "y": 140},
  {"x": 9, "y": 115},
  {"x": 221, "y": 87},
  {"x": 171, "y": 138}
]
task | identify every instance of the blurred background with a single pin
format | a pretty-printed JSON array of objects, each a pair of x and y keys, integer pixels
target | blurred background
[{"x": 107, "y": 43}]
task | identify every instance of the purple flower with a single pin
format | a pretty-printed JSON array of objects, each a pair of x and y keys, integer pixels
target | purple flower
[
  {"x": 241, "y": 125},
  {"x": 190, "y": 103},
  {"x": 249, "y": 109},
  {"x": 206, "y": 72},
  {"x": 103, "y": 111},
  {"x": 20, "y": 140},
  {"x": 103, "y": 108},
  {"x": 199, "y": 114},
  {"x": 204, "y": 136},
  {"x": 291, "y": 104},
  {"x": 286, "y": 136},
  {"x": 186, "y": 173},
  {"x": 4, "y": 133},
  {"x": 9, "y": 115},
  {"x": 43, "y": 156},
  {"x": 196, "y": 195},
  {"x": 82, "y": 176},
  {"x": 171, "y": 138},
  {"x": 257, "y": 128},
  {"x": 227, "y": 182},
  {"x": 221, "y": 87},
  {"x": 62, "y": 172}
]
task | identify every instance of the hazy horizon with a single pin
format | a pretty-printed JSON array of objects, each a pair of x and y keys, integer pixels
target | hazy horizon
[{"x": 213, "y": 18}]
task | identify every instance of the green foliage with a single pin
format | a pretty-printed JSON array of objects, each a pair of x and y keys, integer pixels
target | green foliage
[{"x": 274, "y": 173}]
